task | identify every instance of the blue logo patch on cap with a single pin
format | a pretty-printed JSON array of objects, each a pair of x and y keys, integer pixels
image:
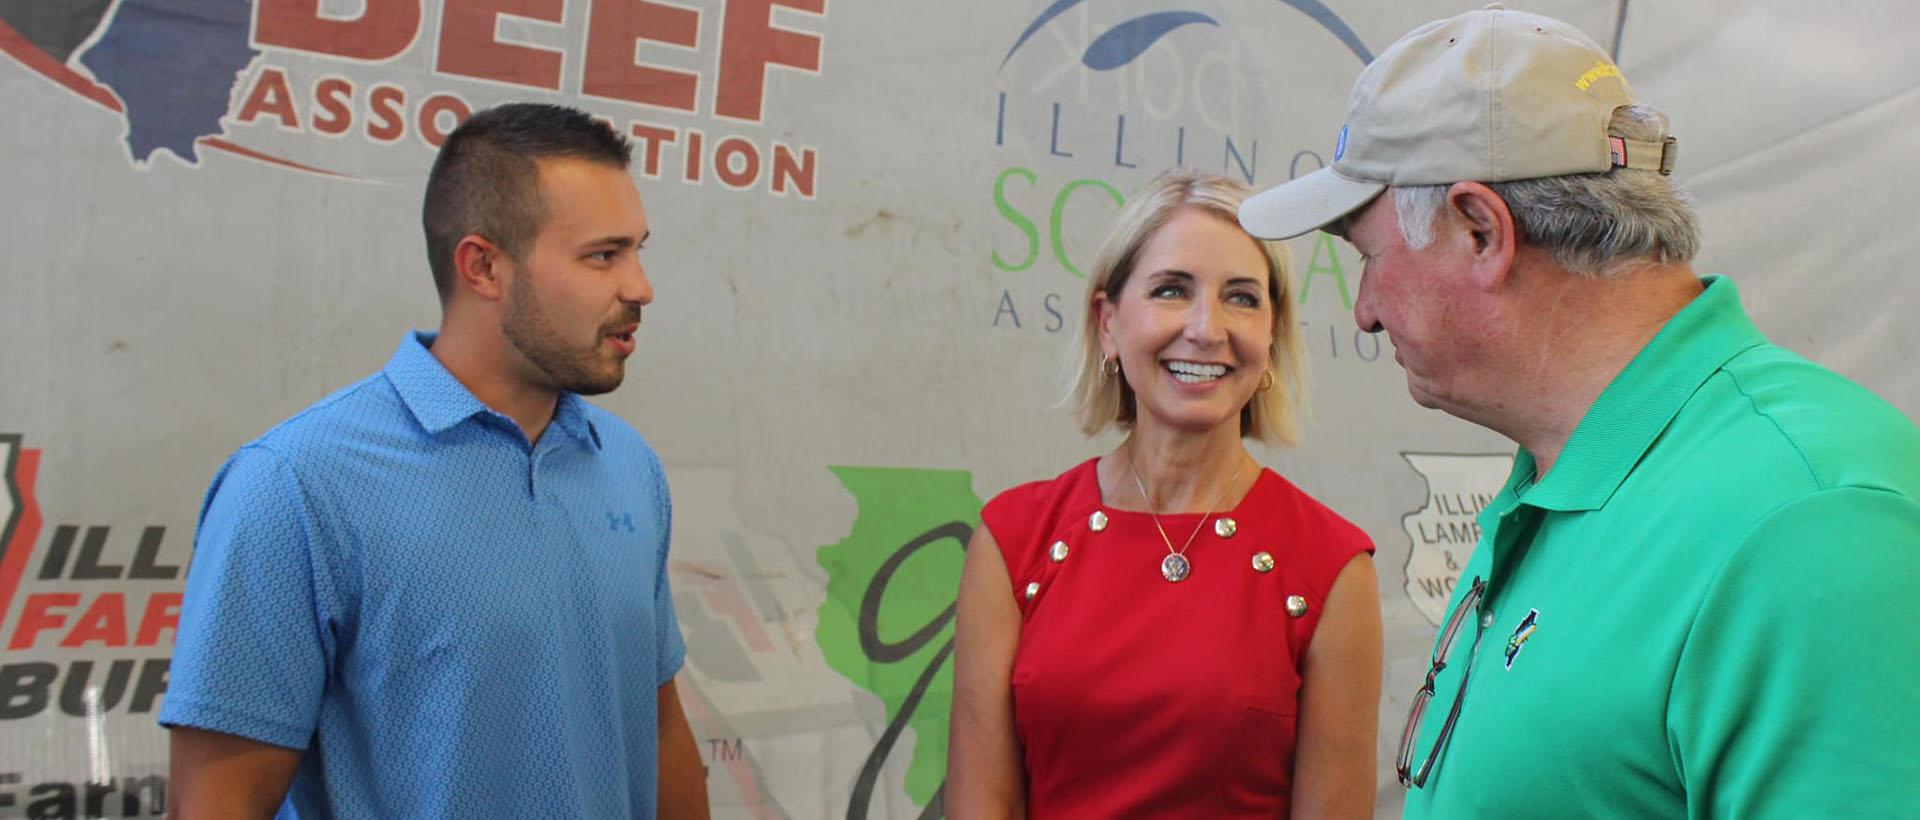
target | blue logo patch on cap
[{"x": 1340, "y": 145}]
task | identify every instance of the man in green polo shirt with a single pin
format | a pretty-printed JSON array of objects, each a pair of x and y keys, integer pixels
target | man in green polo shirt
[{"x": 1695, "y": 596}]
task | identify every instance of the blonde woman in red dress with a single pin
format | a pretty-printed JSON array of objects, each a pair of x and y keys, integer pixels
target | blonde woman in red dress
[{"x": 1171, "y": 630}]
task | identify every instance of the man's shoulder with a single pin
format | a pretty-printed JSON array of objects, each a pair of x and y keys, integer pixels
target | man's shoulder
[
  {"x": 364, "y": 409},
  {"x": 1807, "y": 416},
  {"x": 1765, "y": 432}
]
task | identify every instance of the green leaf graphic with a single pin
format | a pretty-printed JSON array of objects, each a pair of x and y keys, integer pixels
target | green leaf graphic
[{"x": 900, "y": 570}]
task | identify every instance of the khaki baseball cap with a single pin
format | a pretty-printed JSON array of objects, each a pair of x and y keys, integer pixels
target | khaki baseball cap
[{"x": 1489, "y": 96}]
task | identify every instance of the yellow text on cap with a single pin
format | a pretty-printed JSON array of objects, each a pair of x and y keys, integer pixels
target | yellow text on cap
[{"x": 1596, "y": 72}]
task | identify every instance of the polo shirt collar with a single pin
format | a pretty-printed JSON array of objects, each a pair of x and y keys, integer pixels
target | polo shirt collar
[
  {"x": 1640, "y": 402},
  {"x": 571, "y": 417},
  {"x": 439, "y": 402}
]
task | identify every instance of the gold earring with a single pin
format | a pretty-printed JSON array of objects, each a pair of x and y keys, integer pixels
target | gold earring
[
  {"x": 1266, "y": 380},
  {"x": 1110, "y": 367}
]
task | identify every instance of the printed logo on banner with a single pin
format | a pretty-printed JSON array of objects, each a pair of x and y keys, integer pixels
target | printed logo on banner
[
  {"x": 19, "y": 517},
  {"x": 86, "y": 629},
  {"x": 1446, "y": 528},
  {"x": 887, "y": 623},
  {"x": 1091, "y": 107},
  {"x": 294, "y": 77}
]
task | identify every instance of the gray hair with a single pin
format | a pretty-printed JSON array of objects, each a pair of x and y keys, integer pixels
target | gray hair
[{"x": 1592, "y": 224}]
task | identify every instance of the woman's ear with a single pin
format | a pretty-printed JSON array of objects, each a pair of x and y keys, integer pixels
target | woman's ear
[{"x": 1103, "y": 309}]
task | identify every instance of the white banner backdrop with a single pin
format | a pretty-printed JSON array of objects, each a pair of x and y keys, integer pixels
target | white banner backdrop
[{"x": 870, "y": 221}]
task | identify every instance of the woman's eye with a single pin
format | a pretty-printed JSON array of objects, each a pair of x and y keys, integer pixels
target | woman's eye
[
  {"x": 1244, "y": 300},
  {"x": 602, "y": 256},
  {"x": 1167, "y": 292}
]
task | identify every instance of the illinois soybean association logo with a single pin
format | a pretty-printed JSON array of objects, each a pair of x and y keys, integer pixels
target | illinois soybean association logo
[
  {"x": 398, "y": 74},
  {"x": 1092, "y": 109}
]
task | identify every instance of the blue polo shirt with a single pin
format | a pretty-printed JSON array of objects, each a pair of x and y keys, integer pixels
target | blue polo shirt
[{"x": 452, "y": 623}]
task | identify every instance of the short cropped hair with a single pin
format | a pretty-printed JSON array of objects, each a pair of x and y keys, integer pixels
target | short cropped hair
[
  {"x": 485, "y": 181},
  {"x": 1592, "y": 224},
  {"x": 1272, "y": 415}
]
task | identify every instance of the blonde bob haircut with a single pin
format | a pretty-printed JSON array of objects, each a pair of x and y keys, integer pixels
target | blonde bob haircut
[{"x": 1099, "y": 400}]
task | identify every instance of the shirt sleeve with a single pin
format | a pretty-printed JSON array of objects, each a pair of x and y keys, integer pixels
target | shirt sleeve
[
  {"x": 253, "y": 650},
  {"x": 1006, "y": 517},
  {"x": 666, "y": 623},
  {"x": 1798, "y": 692}
]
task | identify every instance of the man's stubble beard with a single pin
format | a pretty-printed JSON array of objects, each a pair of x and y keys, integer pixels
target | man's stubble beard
[{"x": 530, "y": 330}]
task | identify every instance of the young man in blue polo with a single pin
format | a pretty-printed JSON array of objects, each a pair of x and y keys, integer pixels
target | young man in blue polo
[
  {"x": 1694, "y": 595},
  {"x": 442, "y": 592}
]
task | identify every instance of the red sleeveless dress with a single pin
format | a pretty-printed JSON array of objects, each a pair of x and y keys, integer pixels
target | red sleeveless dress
[{"x": 1136, "y": 697}]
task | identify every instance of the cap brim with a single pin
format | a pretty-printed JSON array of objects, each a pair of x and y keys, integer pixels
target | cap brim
[{"x": 1309, "y": 202}]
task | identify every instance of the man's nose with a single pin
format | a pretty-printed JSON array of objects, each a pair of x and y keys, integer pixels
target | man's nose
[
  {"x": 635, "y": 287},
  {"x": 1364, "y": 313}
]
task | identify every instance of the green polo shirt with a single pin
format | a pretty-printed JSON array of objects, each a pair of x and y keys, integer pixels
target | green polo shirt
[{"x": 1708, "y": 608}]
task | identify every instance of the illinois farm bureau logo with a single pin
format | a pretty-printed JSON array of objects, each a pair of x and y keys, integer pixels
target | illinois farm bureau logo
[
  {"x": 86, "y": 619},
  {"x": 296, "y": 84}
]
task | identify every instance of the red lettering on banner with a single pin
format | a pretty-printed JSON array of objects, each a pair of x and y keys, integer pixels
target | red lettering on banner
[
  {"x": 749, "y": 43},
  {"x": 36, "y": 617},
  {"x": 612, "y": 71},
  {"x": 384, "y": 29},
  {"x": 389, "y": 121},
  {"x": 105, "y": 622},
  {"x": 787, "y": 169},
  {"x": 652, "y": 138},
  {"x": 693, "y": 154},
  {"x": 163, "y": 614},
  {"x": 723, "y": 155},
  {"x": 334, "y": 96},
  {"x": 430, "y": 111},
  {"x": 270, "y": 96},
  {"x": 469, "y": 48}
]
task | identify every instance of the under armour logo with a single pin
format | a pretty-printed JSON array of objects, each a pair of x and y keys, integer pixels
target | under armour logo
[{"x": 615, "y": 522}]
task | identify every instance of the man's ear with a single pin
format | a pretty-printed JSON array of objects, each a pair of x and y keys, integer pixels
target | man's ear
[
  {"x": 1489, "y": 230},
  {"x": 481, "y": 267}
]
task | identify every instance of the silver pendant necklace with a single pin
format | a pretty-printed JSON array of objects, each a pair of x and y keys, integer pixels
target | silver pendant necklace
[{"x": 1175, "y": 567}]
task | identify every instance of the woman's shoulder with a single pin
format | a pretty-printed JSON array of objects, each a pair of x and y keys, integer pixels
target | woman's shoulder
[
  {"x": 1320, "y": 543},
  {"x": 1308, "y": 515},
  {"x": 1030, "y": 505},
  {"x": 1064, "y": 484}
]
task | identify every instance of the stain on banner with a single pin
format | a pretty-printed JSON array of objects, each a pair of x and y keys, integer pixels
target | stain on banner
[{"x": 887, "y": 623}]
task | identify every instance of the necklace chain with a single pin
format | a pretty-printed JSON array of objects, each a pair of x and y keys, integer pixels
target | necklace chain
[{"x": 1217, "y": 498}]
